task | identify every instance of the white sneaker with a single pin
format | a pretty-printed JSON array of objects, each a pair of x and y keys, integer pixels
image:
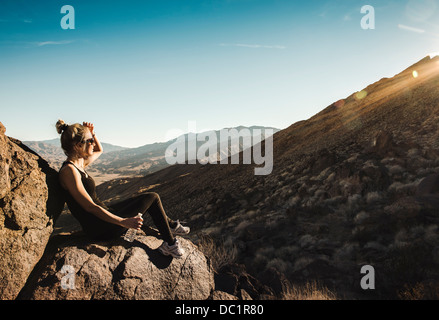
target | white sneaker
[
  {"x": 180, "y": 230},
  {"x": 176, "y": 251}
]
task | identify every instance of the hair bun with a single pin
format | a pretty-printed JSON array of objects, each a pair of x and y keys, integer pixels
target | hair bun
[{"x": 61, "y": 126}]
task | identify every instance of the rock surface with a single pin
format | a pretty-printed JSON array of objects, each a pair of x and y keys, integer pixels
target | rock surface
[
  {"x": 73, "y": 268},
  {"x": 29, "y": 205}
]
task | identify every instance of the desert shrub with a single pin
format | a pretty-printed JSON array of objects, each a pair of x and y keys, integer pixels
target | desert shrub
[
  {"x": 242, "y": 226},
  {"x": 219, "y": 254},
  {"x": 414, "y": 152},
  {"x": 373, "y": 197},
  {"x": 287, "y": 252},
  {"x": 278, "y": 264},
  {"x": 346, "y": 254},
  {"x": 379, "y": 226},
  {"x": 302, "y": 262},
  {"x": 333, "y": 201},
  {"x": 259, "y": 262},
  {"x": 400, "y": 189},
  {"x": 376, "y": 246},
  {"x": 361, "y": 217},
  {"x": 418, "y": 232},
  {"x": 408, "y": 264},
  {"x": 349, "y": 186},
  {"x": 306, "y": 241},
  {"x": 262, "y": 257},
  {"x": 350, "y": 208},
  {"x": 395, "y": 169},
  {"x": 354, "y": 202},
  {"x": 420, "y": 291}
]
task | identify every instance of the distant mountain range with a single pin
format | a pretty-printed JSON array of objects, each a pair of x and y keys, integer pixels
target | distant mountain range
[{"x": 117, "y": 161}]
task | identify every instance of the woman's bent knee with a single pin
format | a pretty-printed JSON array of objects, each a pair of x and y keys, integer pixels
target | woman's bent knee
[
  {"x": 155, "y": 195},
  {"x": 150, "y": 197}
]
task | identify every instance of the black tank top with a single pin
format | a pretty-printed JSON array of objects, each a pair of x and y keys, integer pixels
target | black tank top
[{"x": 92, "y": 225}]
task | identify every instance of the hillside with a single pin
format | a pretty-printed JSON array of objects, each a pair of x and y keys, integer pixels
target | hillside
[{"x": 343, "y": 193}]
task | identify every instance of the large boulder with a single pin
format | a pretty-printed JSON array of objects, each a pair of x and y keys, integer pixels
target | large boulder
[
  {"x": 29, "y": 205},
  {"x": 74, "y": 268}
]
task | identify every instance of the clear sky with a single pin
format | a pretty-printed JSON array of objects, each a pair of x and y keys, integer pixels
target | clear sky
[{"x": 139, "y": 69}]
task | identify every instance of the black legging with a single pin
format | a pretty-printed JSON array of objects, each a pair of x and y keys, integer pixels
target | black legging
[{"x": 150, "y": 202}]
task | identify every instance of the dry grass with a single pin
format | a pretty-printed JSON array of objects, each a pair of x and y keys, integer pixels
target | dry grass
[
  {"x": 309, "y": 291},
  {"x": 420, "y": 291},
  {"x": 219, "y": 254}
]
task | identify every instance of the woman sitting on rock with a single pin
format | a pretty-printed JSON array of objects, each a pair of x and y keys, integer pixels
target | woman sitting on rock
[{"x": 82, "y": 148}]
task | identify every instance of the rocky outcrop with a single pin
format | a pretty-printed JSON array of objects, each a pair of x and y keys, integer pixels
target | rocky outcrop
[
  {"x": 234, "y": 280},
  {"x": 39, "y": 265},
  {"x": 29, "y": 205},
  {"x": 74, "y": 268}
]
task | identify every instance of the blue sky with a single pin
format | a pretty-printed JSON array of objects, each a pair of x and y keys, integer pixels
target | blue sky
[{"x": 141, "y": 69}]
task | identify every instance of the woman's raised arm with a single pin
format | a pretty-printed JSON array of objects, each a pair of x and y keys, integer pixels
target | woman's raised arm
[{"x": 97, "y": 150}]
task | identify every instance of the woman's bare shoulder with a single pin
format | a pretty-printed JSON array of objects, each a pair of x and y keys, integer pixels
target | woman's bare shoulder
[
  {"x": 68, "y": 171},
  {"x": 66, "y": 167}
]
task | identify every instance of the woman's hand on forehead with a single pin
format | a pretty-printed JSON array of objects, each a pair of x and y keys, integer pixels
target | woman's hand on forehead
[{"x": 90, "y": 126}]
